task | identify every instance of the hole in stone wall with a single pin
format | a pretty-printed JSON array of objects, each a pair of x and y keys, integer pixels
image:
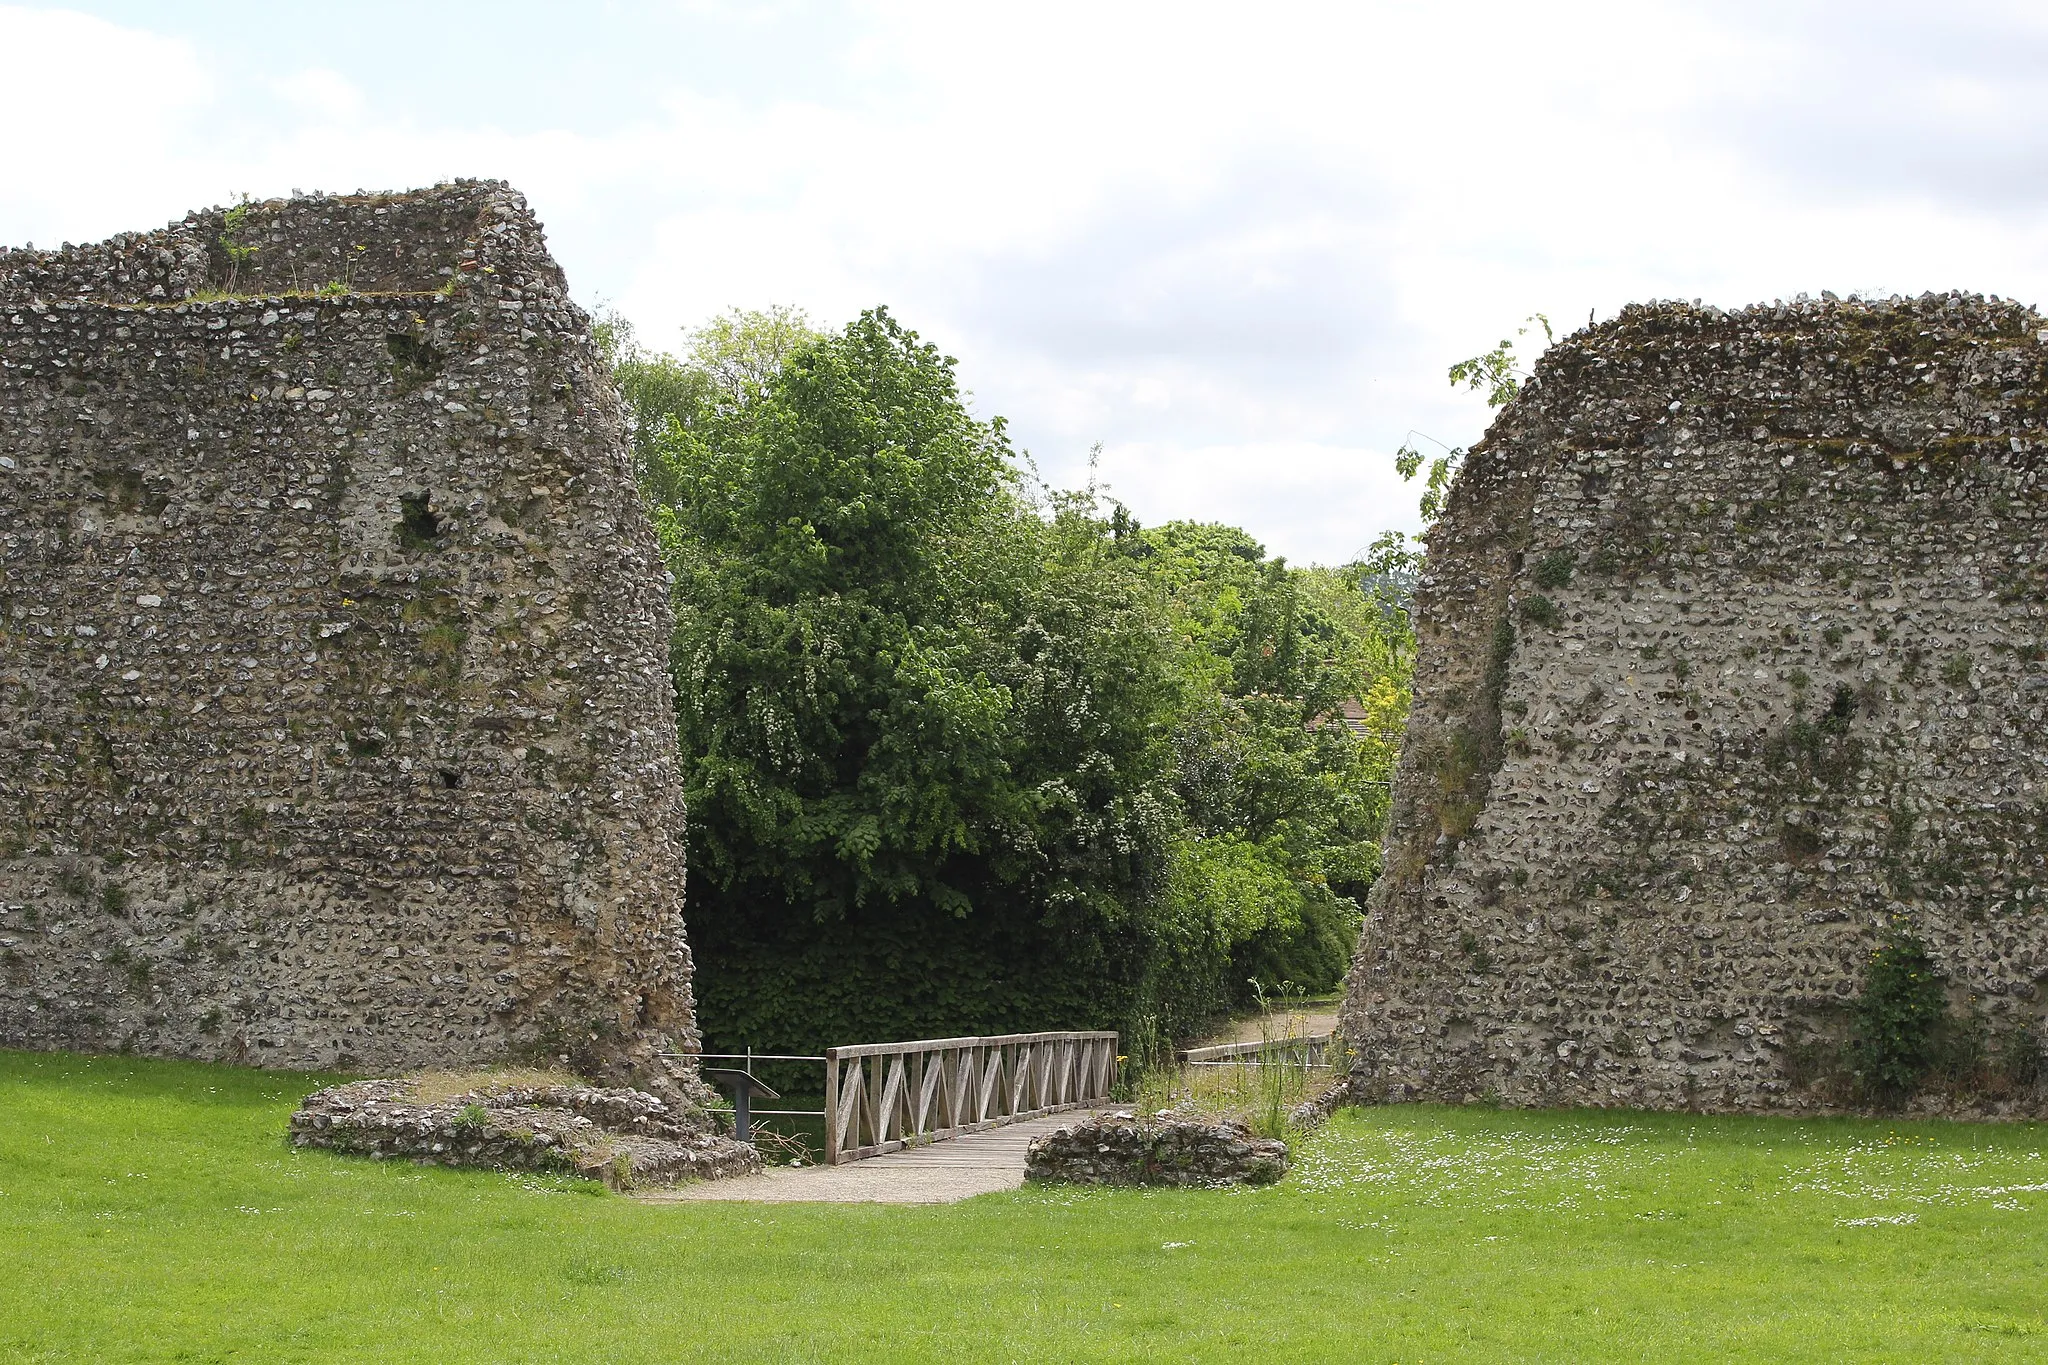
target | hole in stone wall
[
  {"x": 1843, "y": 707},
  {"x": 451, "y": 777},
  {"x": 414, "y": 361},
  {"x": 1799, "y": 844},
  {"x": 418, "y": 524},
  {"x": 122, "y": 488}
]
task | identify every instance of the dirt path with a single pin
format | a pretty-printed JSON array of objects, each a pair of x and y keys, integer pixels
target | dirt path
[
  {"x": 942, "y": 1173},
  {"x": 1319, "y": 1016}
]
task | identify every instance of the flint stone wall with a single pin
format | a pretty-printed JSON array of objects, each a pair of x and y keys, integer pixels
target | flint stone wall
[
  {"x": 335, "y": 728},
  {"x": 622, "y": 1137},
  {"x": 1120, "y": 1149},
  {"x": 1733, "y": 656}
]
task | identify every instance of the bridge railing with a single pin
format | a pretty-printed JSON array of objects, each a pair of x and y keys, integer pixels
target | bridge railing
[
  {"x": 883, "y": 1096},
  {"x": 1292, "y": 1049}
]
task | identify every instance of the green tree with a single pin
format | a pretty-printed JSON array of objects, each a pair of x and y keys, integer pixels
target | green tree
[
  {"x": 1899, "y": 1019},
  {"x": 1283, "y": 793},
  {"x": 725, "y": 363},
  {"x": 965, "y": 754},
  {"x": 921, "y": 715}
]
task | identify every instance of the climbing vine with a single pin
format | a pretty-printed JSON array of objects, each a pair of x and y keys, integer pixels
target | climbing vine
[{"x": 1899, "y": 1019}]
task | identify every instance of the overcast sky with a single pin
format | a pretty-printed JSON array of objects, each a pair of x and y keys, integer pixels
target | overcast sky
[{"x": 1237, "y": 244}]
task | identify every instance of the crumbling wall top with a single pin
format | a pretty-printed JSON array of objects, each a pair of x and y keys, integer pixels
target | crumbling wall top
[{"x": 418, "y": 242}]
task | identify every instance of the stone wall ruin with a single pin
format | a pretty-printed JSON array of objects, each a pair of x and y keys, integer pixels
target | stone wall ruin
[
  {"x": 1733, "y": 657},
  {"x": 335, "y": 728}
]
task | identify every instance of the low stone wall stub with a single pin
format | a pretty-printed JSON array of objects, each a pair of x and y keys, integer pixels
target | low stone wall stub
[
  {"x": 626, "y": 1138},
  {"x": 1121, "y": 1149}
]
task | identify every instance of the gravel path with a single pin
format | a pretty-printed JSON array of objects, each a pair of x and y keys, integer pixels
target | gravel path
[{"x": 943, "y": 1173}]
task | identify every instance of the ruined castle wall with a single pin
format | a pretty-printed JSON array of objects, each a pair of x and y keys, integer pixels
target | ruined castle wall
[
  {"x": 334, "y": 717},
  {"x": 1733, "y": 654},
  {"x": 366, "y": 244}
]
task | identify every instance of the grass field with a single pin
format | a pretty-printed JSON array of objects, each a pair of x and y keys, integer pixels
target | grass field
[{"x": 150, "y": 1211}]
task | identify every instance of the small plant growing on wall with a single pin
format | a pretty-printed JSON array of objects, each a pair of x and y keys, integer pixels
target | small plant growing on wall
[
  {"x": 1898, "y": 1020},
  {"x": 1541, "y": 610},
  {"x": 239, "y": 253},
  {"x": 1554, "y": 570}
]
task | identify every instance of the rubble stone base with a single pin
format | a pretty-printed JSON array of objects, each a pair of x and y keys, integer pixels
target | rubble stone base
[
  {"x": 623, "y": 1137},
  {"x": 1120, "y": 1149}
]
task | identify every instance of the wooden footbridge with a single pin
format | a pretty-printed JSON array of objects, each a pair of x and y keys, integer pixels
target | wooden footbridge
[
  {"x": 881, "y": 1097},
  {"x": 931, "y": 1121}
]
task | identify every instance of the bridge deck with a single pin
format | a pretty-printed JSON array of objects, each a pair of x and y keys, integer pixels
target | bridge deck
[{"x": 942, "y": 1173}]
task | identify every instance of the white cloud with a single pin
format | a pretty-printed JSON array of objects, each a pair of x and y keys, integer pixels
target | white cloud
[
  {"x": 94, "y": 108},
  {"x": 1238, "y": 245},
  {"x": 1333, "y": 499},
  {"x": 321, "y": 94}
]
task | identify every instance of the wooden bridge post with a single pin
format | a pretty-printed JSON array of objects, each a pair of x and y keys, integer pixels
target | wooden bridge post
[{"x": 831, "y": 1106}]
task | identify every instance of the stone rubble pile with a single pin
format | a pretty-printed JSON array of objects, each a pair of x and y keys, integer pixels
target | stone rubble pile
[
  {"x": 1121, "y": 1149},
  {"x": 622, "y": 1137}
]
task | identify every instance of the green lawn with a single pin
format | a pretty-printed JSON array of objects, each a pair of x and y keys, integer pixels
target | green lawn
[{"x": 150, "y": 1211}]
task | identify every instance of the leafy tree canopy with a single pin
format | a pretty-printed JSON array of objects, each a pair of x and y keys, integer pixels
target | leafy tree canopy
[{"x": 965, "y": 754}]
